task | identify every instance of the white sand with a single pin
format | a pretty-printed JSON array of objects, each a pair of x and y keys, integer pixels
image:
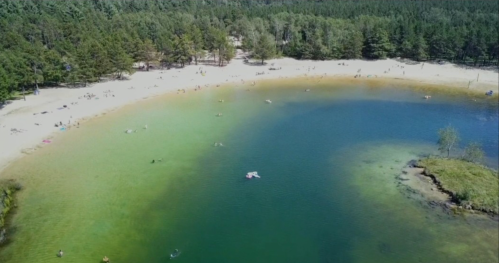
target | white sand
[{"x": 20, "y": 114}]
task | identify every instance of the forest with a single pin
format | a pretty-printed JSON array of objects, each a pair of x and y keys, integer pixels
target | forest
[{"x": 75, "y": 42}]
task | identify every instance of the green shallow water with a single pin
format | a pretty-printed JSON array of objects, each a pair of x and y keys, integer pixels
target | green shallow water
[{"x": 328, "y": 160}]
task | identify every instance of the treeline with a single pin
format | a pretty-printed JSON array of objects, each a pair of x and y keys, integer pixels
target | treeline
[{"x": 46, "y": 42}]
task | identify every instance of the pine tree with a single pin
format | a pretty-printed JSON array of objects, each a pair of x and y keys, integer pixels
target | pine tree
[
  {"x": 318, "y": 50},
  {"x": 120, "y": 61},
  {"x": 182, "y": 50},
  {"x": 264, "y": 48},
  {"x": 197, "y": 40},
  {"x": 33, "y": 66},
  {"x": 5, "y": 83},
  {"x": 353, "y": 45},
  {"x": 84, "y": 68},
  {"x": 420, "y": 48},
  {"x": 147, "y": 53},
  {"x": 53, "y": 67},
  {"x": 228, "y": 52},
  {"x": 377, "y": 45}
]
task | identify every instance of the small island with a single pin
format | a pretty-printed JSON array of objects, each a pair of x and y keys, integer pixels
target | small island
[
  {"x": 460, "y": 176},
  {"x": 470, "y": 185}
]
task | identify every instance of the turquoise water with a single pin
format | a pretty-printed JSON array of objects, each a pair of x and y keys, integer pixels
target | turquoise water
[{"x": 328, "y": 160}]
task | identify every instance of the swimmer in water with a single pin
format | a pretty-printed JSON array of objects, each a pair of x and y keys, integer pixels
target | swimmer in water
[{"x": 175, "y": 253}]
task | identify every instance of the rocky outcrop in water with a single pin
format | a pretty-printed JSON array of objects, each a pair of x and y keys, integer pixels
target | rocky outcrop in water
[{"x": 7, "y": 190}]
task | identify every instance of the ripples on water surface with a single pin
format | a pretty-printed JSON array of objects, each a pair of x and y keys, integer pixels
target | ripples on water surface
[{"x": 327, "y": 158}]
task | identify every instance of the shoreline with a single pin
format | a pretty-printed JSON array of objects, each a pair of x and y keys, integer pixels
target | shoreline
[
  {"x": 24, "y": 125},
  {"x": 417, "y": 181}
]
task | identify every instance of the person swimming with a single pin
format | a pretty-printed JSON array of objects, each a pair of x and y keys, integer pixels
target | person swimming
[
  {"x": 60, "y": 253},
  {"x": 175, "y": 253}
]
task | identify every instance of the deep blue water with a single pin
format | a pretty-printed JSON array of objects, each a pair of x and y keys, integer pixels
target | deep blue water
[{"x": 304, "y": 208}]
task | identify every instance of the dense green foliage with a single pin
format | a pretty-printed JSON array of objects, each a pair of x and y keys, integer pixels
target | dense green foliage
[
  {"x": 471, "y": 184},
  {"x": 46, "y": 42},
  {"x": 473, "y": 153},
  {"x": 7, "y": 189}
]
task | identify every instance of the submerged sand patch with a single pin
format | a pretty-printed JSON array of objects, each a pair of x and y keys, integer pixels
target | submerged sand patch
[
  {"x": 415, "y": 180},
  {"x": 377, "y": 179}
]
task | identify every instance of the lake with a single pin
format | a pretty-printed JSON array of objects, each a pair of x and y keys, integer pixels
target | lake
[{"x": 328, "y": 161}]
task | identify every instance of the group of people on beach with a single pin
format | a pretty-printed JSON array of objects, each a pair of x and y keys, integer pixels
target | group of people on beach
[
  {"x": 66, "y": 126},
  {"x": 201, "y": 71},
  {"x": 107, "y": 93},
  {"x": 89, "y": 96}
]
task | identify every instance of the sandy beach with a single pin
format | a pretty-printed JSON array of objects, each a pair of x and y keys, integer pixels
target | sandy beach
[{"x": 24, "y": 125}]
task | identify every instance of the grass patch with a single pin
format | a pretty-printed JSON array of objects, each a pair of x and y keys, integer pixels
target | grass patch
[
  {"x": 469, "y": 183},
  {"x": 7, "y": 189}
]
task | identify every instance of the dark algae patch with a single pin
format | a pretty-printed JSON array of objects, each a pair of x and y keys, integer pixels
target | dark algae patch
[
  {"x": 7, "y": 190},
  {"x": 471, "y": 185}
]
